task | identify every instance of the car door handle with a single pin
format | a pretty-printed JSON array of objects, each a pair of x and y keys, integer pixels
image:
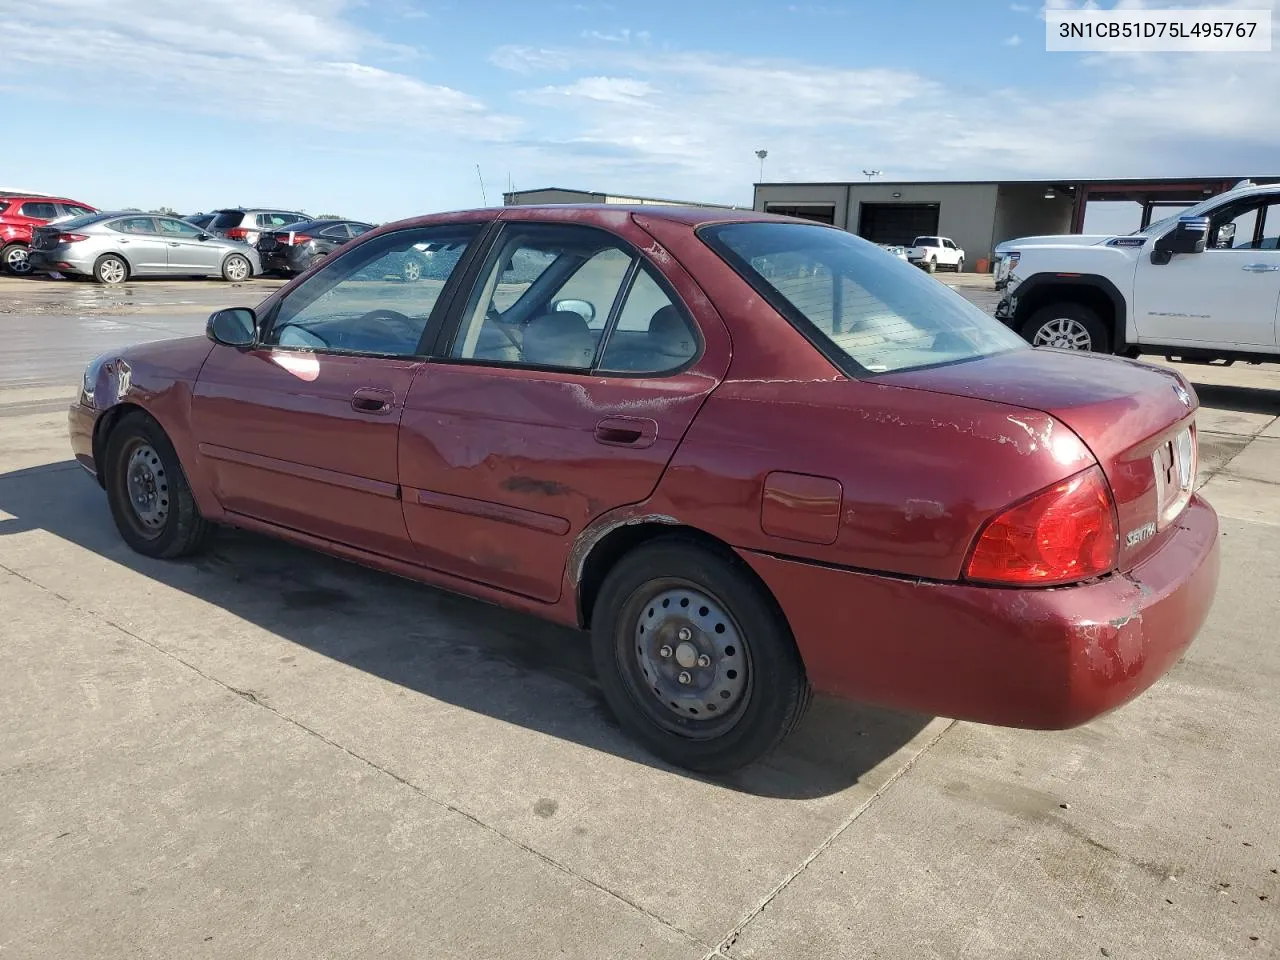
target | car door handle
[
  {"x": 627, "y": 432},
  {"x": 174, "y": 243},
  {"x": 1261, "y": 267},
  {"x": 372, "y": 400}
]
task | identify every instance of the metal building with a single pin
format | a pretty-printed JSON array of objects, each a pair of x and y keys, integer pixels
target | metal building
[
  {"x": 976, "y": 214},
  {"x": 563, "y": 195}
]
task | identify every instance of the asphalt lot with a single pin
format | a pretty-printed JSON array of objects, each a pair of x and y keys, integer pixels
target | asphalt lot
[{"x": 267, "y": 753}]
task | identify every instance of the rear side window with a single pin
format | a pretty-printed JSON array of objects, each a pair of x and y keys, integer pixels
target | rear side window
[
  {"x": 278, "y": 219},
  {"x": 39, "y": 210},
  {"x": 133, "y": 225},
  {"x": 4, "y": 205},
  {"x": 337, "y": 232},
  {"x": 866, "y": 312},
  {"x": 225, "y": 219}
]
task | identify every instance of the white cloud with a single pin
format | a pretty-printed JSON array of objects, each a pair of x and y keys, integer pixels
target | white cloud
[
  {"x": 1013, "y": 41},
  {"x": 295, "y": 61}
]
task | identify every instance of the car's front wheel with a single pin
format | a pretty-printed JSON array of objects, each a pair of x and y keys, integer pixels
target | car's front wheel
[
  {"x": 15, "y": 259},
  {"x": 236, "y": 268},
  {"x": 1067, "y": 326},
  {"x": 694, "y": 657},
  {"x": 150, "y": 500},
  {"x": 111, "y": 270}
]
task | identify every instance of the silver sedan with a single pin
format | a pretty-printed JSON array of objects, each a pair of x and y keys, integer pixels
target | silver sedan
[{"x": 113, "y": 247}]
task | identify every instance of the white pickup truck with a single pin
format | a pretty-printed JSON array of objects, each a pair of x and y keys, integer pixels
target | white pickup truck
[
  {"x": 932, "y": 252},
  {"x": 1201, "y": 286}
]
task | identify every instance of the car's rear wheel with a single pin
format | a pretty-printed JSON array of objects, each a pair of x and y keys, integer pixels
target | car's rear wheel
[
  {"x": 1067, "y": 326},
  {"x": 147, "y": 491},
  {"x": 236, "y": 268},
  {"x": 694, "y": 658},
  {"x": 315, "y": 261},
  {"x": 411, "y": 271},
  {"x": 111, "y": 270},
  {"x": 15, "y": 259}
]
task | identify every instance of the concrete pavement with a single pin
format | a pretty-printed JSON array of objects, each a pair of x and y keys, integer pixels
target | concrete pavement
[{"x": 267, "y": 753}]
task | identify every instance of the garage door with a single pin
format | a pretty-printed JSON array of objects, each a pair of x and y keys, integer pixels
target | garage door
[
  {"x": 821, "y": 212},
  {"x": 897, "y": 223}
]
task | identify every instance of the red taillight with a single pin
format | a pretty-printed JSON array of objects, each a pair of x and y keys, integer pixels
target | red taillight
[
  {"x": 294, "y": 239},
  {"x": 1062, "y": 534},
  {"x": 237, "y": 233},
  {"x": 72, "y": 237}
]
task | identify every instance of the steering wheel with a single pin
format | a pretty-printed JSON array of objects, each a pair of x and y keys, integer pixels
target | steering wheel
[{"x": 395, "y": 316}]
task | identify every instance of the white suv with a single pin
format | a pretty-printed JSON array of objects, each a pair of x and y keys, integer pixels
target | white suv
[{"x": 1201, "y": 286}]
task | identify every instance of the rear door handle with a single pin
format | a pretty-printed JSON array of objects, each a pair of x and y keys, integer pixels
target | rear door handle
[
  {"x": 1261, "y": 267},
  {"x": 627, "y": 432},
  {"x": 373, "y": 400}
]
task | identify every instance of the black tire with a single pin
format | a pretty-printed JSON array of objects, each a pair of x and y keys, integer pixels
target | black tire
[
  {"x": 236, "y": 268},
  {"x": 13, "y": 256},
  {"x": 932, "y": 265},
  {"x": 111, "y": 270},
  {"x": 1057, "y": 323},
  {"x": 765, "y": 707},
  {"x": 316, "y": 260},
  {"x": 181, "y": 530},
  {"x": 960, "y": 265}
]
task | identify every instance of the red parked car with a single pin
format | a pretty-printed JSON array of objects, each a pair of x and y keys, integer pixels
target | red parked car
[
  {"x": 18, "y": 214},
  {"x": 754, "y": 456}
]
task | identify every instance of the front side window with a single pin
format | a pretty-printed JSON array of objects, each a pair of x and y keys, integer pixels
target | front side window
[
  {"x": 38, "y": 210},
  {"x": 74, "y": 210},
  {"x": 362, "y": 302},
  {"x": 555, "y": 295},
  {"x": 867, "y": 312},
  {"x": 176, "y": 228},
  {"x": 1244, "y": 226}
]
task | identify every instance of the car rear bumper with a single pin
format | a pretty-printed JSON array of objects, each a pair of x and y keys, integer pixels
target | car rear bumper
[
  {"x": 58, "y": 261},
  {"x": 1037, "y": 658},
  {"x": 80, "y": 423},
  {"x": 288, "y": 259}
]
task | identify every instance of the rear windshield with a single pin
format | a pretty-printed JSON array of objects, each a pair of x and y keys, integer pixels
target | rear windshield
[
  {"x": 84, "y": 221},
  {"x": 868, "y": 311},
  {"x": 926, "y": 242},
  {"x": 227, "y": 218}
]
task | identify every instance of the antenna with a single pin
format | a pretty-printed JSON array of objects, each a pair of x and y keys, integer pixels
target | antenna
[{"x": 483, "y": 196}]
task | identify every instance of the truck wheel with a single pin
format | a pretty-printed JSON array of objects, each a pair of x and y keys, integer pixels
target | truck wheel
[
  {"x": 932, "y": 265},
  {"x": 694, "y": 658},
  {"x": 1067, "y": 326},
  {"x": 960, "y": 265}
]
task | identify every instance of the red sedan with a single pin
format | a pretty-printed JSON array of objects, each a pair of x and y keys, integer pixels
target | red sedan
[{"x": 755, "y": 457}]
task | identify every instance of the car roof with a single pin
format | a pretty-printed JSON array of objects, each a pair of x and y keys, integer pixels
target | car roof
[
  {"x": 603, "y": 215},
  {"x": 24, "y": 197}
]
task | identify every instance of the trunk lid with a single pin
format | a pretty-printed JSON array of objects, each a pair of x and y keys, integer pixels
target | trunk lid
[
  {"x": 44, "y": 238},
  {"x": 1137, "y": 419}
]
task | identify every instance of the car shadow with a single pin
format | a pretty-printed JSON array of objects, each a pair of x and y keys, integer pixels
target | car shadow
[
  {"x": 1240, "y": 399},
  {"x": 434, "y": 643}
]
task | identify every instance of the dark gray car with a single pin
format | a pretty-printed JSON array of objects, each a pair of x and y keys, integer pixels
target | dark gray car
[{"x": 112, "y": 247}]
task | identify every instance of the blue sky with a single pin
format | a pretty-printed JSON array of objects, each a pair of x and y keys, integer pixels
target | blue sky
[{"x": 380, "y": 109}]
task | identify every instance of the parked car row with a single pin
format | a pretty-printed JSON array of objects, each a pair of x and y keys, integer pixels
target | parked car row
[{"x": 63, "y": 237}]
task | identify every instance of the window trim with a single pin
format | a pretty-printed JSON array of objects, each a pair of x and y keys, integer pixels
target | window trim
[
  {"x": 436, "y": 320},
  {"x": 442, "y": 351}
]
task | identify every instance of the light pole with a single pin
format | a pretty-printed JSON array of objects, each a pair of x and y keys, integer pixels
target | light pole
[
  {"x": 871, "y": 173},
  {"x": 762, "y": 154}
]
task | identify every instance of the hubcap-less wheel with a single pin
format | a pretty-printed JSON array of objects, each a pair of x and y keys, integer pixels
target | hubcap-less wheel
[
  {"x": 412, "y": 270},
  {"x": 690, "y": 662},
  {"x": 1064, "y": 333},
  {"x": 17, "y": 260},
  {"x": 147, "y": 484},
  {"x": 237, "y": 269},
  {"x": 111, "y": 271}
]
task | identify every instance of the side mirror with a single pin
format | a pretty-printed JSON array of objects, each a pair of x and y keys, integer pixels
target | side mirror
[
  {"x": 203, "y": 236},
  {"x": 582, "y": 308},
  {"x": 236, "y": 327},
  {"x": 1189, "y": 236}
]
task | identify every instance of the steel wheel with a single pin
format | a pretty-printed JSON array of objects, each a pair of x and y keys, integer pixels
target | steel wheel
[
  {"x": 236, "y": 268},
  {"x": 147, "y": 484},
  {"x": 112, "y": 270},
  {"x": 1063, "y": 333},
  {"x": 691, "y": 665},
  {"x": 17, "y": 260},
  {"x": 411, "y": 271}
]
